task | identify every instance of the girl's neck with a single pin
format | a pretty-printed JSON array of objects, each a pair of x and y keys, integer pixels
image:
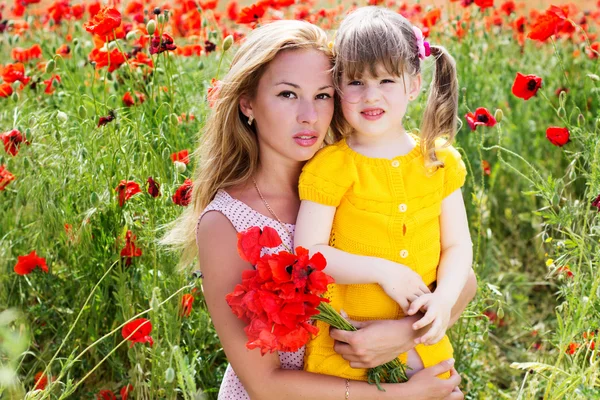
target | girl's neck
[{"x": 382, "y": 146}]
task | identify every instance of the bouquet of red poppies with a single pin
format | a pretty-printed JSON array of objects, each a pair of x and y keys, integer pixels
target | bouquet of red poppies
[{"x": 278, "y": 298}]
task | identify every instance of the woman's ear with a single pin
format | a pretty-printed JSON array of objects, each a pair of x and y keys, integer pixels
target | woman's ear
[{"x": 246, "y": 105}]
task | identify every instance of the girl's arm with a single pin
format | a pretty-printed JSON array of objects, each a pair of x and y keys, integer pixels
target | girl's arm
[
  {"x": 453, "y": 271},
  {"x": 313, "y": 228},
  {"x": 263, "y": 377}
]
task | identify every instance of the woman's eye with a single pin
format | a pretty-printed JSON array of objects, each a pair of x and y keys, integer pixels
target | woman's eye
[
  {"x": 287, "y": 95},
  {"x": 323, "y": 96}
]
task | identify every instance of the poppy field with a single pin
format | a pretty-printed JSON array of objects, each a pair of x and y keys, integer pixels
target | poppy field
[{"x": 101, "y": 108}]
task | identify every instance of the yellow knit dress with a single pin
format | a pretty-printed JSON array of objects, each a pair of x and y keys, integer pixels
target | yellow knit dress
[{"x": 387, "y": 208}]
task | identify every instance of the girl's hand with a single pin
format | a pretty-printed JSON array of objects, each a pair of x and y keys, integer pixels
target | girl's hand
[
  {"x": 402, "y": 284},
  {"x": 437, "y": 311},
  {"x": 436, "y": 388}
]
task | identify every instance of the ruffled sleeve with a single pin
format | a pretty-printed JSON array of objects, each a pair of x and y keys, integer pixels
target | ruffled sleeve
[
  {"x": 455, "y": 171},
  {"x": 327, "y": 176}
]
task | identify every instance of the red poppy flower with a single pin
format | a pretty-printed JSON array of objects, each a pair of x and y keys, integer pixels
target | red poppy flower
[
  {"x": 233, "y": 10},
  {"x": 158, "y": 45},
  {"x": 252, "y": 240},
  {"x": 545, "y": 26},
  {"x": 182, "y": 156},
  {"x": 596, "y": 203},
  {"x": 508, "y": 7},
  {"x": 484, "y": 3},
  {"x": 186, "y": 304},
  {"x": 125, "y": 390},
  {"x": 526, "y": 86},
  {"x": 106, "y": 395},
  {"x": 64, "y": 50},
  {"x": 5, "y": 90},
  {"x": 15, "y": 72},
  {"x": 566, "y": 271},
  {"x": 126, "y": 190},
  {"x": 251, "y": 14},
  {"x": 138, "y": 331},
  {"x": 12, "y": 140},
  {"x": 183, "y": 195},
  {"x": 130, "y": 250},
  {"x": 142, "y": 59},
  {"x": 558, "y": 136},
  {"x": 572, "y": 348},
  {"x": 486, "y": 167},
  {"x": 129, "y": 100},
  {"x": 104, "y": 21},
  {"x": 49, "y": 85},
  {"x": 25, "y": 55},
  {"x": 481, "y": 117},
  {"x": 26, "y": 264},
  {"x": 153, "y": 187},
  {"x": 208, "y": 4},
  {"x": 40, "y": 380},
  {"x": 5, "y": 177},
  {"x": 106, "y": 119},
  {"x": 102, "y": 59}
]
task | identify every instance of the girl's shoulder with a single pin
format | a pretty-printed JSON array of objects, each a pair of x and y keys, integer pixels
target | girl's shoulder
[
  {"x": 330, "y": 156},
  {"x": 447, "y": 153}
]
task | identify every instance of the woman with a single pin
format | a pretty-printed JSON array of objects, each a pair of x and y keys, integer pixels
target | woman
[{"x": 272, "y": 114}]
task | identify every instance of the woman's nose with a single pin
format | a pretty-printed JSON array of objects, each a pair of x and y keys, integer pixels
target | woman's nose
[{"x": 307, "y": 113}]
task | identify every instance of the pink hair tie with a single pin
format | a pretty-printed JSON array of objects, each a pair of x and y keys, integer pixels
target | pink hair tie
[{"x": 422, "y": 44}]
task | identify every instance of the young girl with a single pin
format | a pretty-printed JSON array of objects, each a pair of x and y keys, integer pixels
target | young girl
[{"x": 382, "y": 192}]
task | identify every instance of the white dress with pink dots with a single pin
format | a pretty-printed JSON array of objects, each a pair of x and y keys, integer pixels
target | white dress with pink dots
[{"x": 243, "y": 217}]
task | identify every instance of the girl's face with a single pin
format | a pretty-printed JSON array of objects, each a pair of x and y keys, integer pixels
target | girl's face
[
  {"x": 293, "y": 105},
  {"x": 375, "y": 106}
]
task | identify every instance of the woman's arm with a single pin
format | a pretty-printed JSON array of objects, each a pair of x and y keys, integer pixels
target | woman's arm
[
  {"x": 377, "y": 342},
  {"x": 263, "y": 377},
  {"x": 313, "y": 228}
]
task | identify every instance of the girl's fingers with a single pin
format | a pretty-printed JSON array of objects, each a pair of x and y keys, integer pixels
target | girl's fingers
[
  {"x": 426, "y": 320},
  {"x": 417, "y": 304},
  {"x": 433, "y": 332}
]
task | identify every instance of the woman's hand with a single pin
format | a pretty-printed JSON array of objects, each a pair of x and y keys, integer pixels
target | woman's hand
[
  {"x": 375, "y": 342},
  {"x": 437, "y": 389}
]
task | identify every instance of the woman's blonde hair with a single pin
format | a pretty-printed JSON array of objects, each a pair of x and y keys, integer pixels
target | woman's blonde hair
[
  {"x": 227, "y": 153},
  {"x": 372, "y": 36}
]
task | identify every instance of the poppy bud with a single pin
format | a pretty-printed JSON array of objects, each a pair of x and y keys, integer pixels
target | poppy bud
[
  {"x": 500, "y": 313},
  {"x": 151, "y": 27},
  {"x": 169, "y": 375},
  {"x": 15, "y": 96},
  {"x": 174, "y": 119},
  {"x": 50, "y": 66},
  {"x": 16, "y": 85},
  {"x": 155, "y": 301},
  {"x": 75, "y": 41},
  {"x": 112, "y": 45},
  {"x": 179, "y": 166},
  {"x": 131, "y": 35},
  {"x": 82, "y": 112},
  {"x": 204, "y": 22},
  {"x": 161, "y": 19},
  {"x": 594, "y": 77},
  {"x": 166, "y": 12},
  {"x": 498, "y": 115},
  {"x": 62, "y": 116},
  {"x": 201, "y": 65},
  {"x": 227, "y": 42}
]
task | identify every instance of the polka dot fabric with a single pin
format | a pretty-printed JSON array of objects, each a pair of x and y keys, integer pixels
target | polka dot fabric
[{"x": 243, "y": 217}]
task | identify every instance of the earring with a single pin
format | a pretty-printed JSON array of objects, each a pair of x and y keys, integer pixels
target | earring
[
  {"x": 250, "y": 120},
  {"x": 411, "y": 98}
]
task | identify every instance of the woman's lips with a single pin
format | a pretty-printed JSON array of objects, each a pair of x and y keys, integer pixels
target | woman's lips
[
  {"x": 372, "y": 114},
  {"x": 306, "y": 138}
]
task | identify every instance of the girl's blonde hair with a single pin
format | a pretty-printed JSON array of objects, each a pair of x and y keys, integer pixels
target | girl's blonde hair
[
  {"x": 372, "y": 36},
  {"x": 228, "y": 149}
]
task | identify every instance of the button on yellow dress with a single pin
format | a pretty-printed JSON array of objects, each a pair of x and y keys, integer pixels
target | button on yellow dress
[{"x": 387, "y": 208}]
